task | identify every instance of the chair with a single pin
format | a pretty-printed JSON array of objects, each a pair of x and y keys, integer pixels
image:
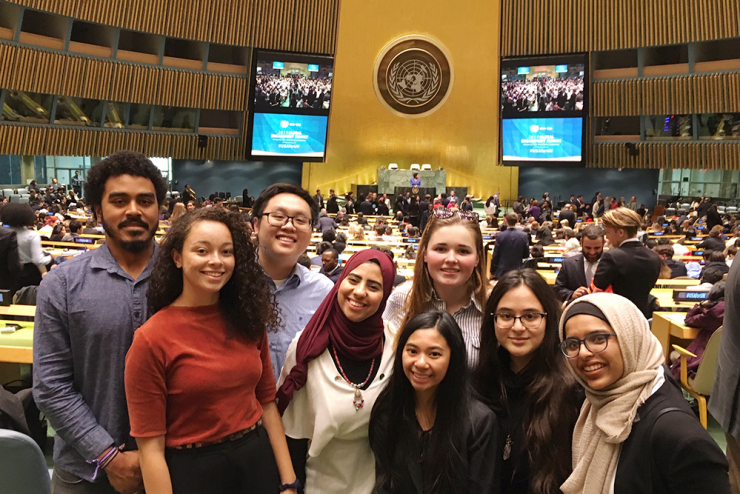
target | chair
[
  {"x": 222, "y": 195},
  {"x": 393, "y": 166},
  {"x": 15, "y": 198},
  {"x": 8, "y": 192},
  {"x": 721, "y": 209},
  {"x": 168, "y": 195},
  {"x": 415, "y": 166},
  {"x": 23, "y": 468},
  {"x": 670, "y": 212},
  {"x": 700, "y": 387},
  {"x": 731, "y": 209},
  {"x": 175, "y": 194},
  {"x": 239, "y": 199},
  {"x": 426, "y": 166}
]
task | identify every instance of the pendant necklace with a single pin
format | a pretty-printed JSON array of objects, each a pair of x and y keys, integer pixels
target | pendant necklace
[
  {"x": 509, "y": 442},
  {"x": 358, "y": 400}
]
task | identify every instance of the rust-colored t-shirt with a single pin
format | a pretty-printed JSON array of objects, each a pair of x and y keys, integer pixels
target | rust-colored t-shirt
[{"x": 190, "y": 379}]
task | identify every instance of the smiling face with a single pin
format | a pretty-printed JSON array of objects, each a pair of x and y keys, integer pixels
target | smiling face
[
  {"x": 426, "y": 358},
  {"x": 451, "y": 256},
  {"x": 598, "y": 370},
  {"x": 361, "y": 292},
  {"x": 592, "y": 249},
  {"x": 206, "y": 260},
  {"x": 521, "y": 342},
  {"x": 129, "y": 212},
  {"x": 281, "y": 246}
]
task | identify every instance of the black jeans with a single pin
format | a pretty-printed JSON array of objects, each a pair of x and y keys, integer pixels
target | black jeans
[{"x": 244, "y": 466}]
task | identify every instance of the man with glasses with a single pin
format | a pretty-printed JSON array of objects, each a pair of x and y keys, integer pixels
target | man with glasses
[{"x": 284, "y": 216}]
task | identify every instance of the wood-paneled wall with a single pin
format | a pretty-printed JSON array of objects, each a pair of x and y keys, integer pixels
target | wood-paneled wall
[
  {"x": 534, "y": 27},
  {"x": 697, "y": 155},
  {"x": 707, "y": 93},
  {"x": 41, "y": 71},
  {"x": 300, "y": 25},
  {"x": 54, "y": 141}
]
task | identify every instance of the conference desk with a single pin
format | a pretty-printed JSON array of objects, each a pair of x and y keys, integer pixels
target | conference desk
[
  {"x": 671, "y": 324},
  {"x": 17, "y": 347}
]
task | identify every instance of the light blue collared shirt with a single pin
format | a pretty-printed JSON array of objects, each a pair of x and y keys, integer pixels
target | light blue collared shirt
[{"x": 297, "y": 298}]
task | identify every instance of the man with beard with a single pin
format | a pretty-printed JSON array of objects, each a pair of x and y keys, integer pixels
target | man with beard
[
  {"x": 87, "y": 311},
  {"x": 576, "y": 273}
]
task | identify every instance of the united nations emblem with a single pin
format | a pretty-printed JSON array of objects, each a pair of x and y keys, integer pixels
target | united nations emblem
[{"x": 413, "y": 76}]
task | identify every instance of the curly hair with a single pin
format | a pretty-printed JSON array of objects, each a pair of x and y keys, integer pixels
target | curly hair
[
  {"x": 16, "y": 215},
  {"x": 122, "y": 163},
  {"x": 246, "y": 300}
]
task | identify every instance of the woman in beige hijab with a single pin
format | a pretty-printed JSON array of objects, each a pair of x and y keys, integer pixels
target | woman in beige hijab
[{"x": 636, "y": 433}]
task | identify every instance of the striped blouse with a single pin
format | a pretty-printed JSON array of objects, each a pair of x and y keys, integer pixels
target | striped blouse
[{"x": 469, "y": 318}]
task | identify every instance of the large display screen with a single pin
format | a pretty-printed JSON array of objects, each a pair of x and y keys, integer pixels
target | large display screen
[
  {"x": 544, "y": 103},
  {"x": 283, "y": 135},
  {"x": 290, "y": 99},
  {"x": 543, "y": 139}
]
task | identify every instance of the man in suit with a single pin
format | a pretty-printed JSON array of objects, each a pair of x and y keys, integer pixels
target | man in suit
[
  {"x": 330, "y": 265},
  {"x": 725, "y": 400},
  {"x": 326, "y": 223},
  {"x": 512, "y": 247},
  {"x": 580, "y": 205},
  {"x": 10, "y": 264},
  {"x": 319, "y": 199},
  {"x": 332, "y": 206},
  {"x": 567, "y": 213},
  {"x": 497, "y": 203},
  {"x": 629, "y": 268},
  {"x": 366, "y": 206},
  {"x": 678, "y": 268},
  {"x": 576, "y": 273}
]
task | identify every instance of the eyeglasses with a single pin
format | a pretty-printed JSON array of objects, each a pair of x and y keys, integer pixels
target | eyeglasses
[
  {"x": 530, "y": 320},
  {"x": 281, "y": 219},
  {"x": 595, "y": 343},
  {"x": 443, "y": 214}
]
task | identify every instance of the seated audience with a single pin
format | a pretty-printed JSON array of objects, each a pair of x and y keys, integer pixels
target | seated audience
[
  {"x": 707, "y": 316},
  {"x": 712, "y": 241},
  {"x": 677, "y": 268},
  {"x": 330, "y": 264},
  {"x": 74, "y": 231}
]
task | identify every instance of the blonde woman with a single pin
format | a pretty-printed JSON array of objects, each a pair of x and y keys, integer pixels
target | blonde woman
[{"x": 448, "y": 276}]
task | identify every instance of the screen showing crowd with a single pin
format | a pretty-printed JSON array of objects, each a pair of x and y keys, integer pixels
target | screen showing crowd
[
  {"x": 282, "y": 85},
  {"x": 542, "y": 89}
]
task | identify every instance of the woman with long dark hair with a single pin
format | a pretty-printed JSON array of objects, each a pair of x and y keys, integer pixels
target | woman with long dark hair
[
  {"x": 429, "y": 435},
  {"x": 199, "y": 381},
  {"x": 334, "y": 371},
  {"x": 522, "y": 377}
]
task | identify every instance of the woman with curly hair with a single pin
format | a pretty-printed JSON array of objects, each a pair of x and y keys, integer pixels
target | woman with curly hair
[{"x": 199, "y": 381}]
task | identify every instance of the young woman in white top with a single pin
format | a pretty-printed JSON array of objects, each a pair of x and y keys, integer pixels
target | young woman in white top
[
  {"x": 334, "y": 371},
  {"x": 20, "y": 218},
  {"x": 448, "y": 276}
]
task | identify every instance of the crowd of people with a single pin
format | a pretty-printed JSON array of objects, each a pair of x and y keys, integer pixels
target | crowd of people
[
  {"x": 542, "y": 94},
  {"x": 292, "y": 91},
  {"x": 215, "y": 361}
]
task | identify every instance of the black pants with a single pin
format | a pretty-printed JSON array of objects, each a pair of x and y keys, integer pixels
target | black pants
[{"x": 244, "y": 466}]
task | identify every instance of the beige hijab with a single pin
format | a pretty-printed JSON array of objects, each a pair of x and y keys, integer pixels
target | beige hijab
[{"x": 606, "y": 418}]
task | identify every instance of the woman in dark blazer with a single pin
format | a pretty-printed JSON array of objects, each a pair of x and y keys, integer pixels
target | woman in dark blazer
[
  {"x": 636, "y": 434},
  {"x": 429, "y": 435}
]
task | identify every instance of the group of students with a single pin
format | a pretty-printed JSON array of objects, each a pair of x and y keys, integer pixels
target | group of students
[{"x": 442, "y": 385}]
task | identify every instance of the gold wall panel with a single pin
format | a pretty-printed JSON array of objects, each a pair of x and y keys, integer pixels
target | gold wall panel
[
  {"x": 696, "y": 155},
  {"x": 301, "y": 25},
  {"x": 461, "y": 136},
  {"x": 696, "y": 93},
  {"x": 595, "y": 25}
]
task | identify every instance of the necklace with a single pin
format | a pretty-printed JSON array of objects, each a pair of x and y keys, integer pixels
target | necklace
[{"x": 358, "y": 400}]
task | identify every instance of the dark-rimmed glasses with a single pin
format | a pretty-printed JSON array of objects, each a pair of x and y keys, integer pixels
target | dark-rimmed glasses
[
  {"x": 530, "y": 320},
  {"x": 277, "y": 218},
  {"x": 595, "y": 343},
  {"x": 443, "y": 214}
]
